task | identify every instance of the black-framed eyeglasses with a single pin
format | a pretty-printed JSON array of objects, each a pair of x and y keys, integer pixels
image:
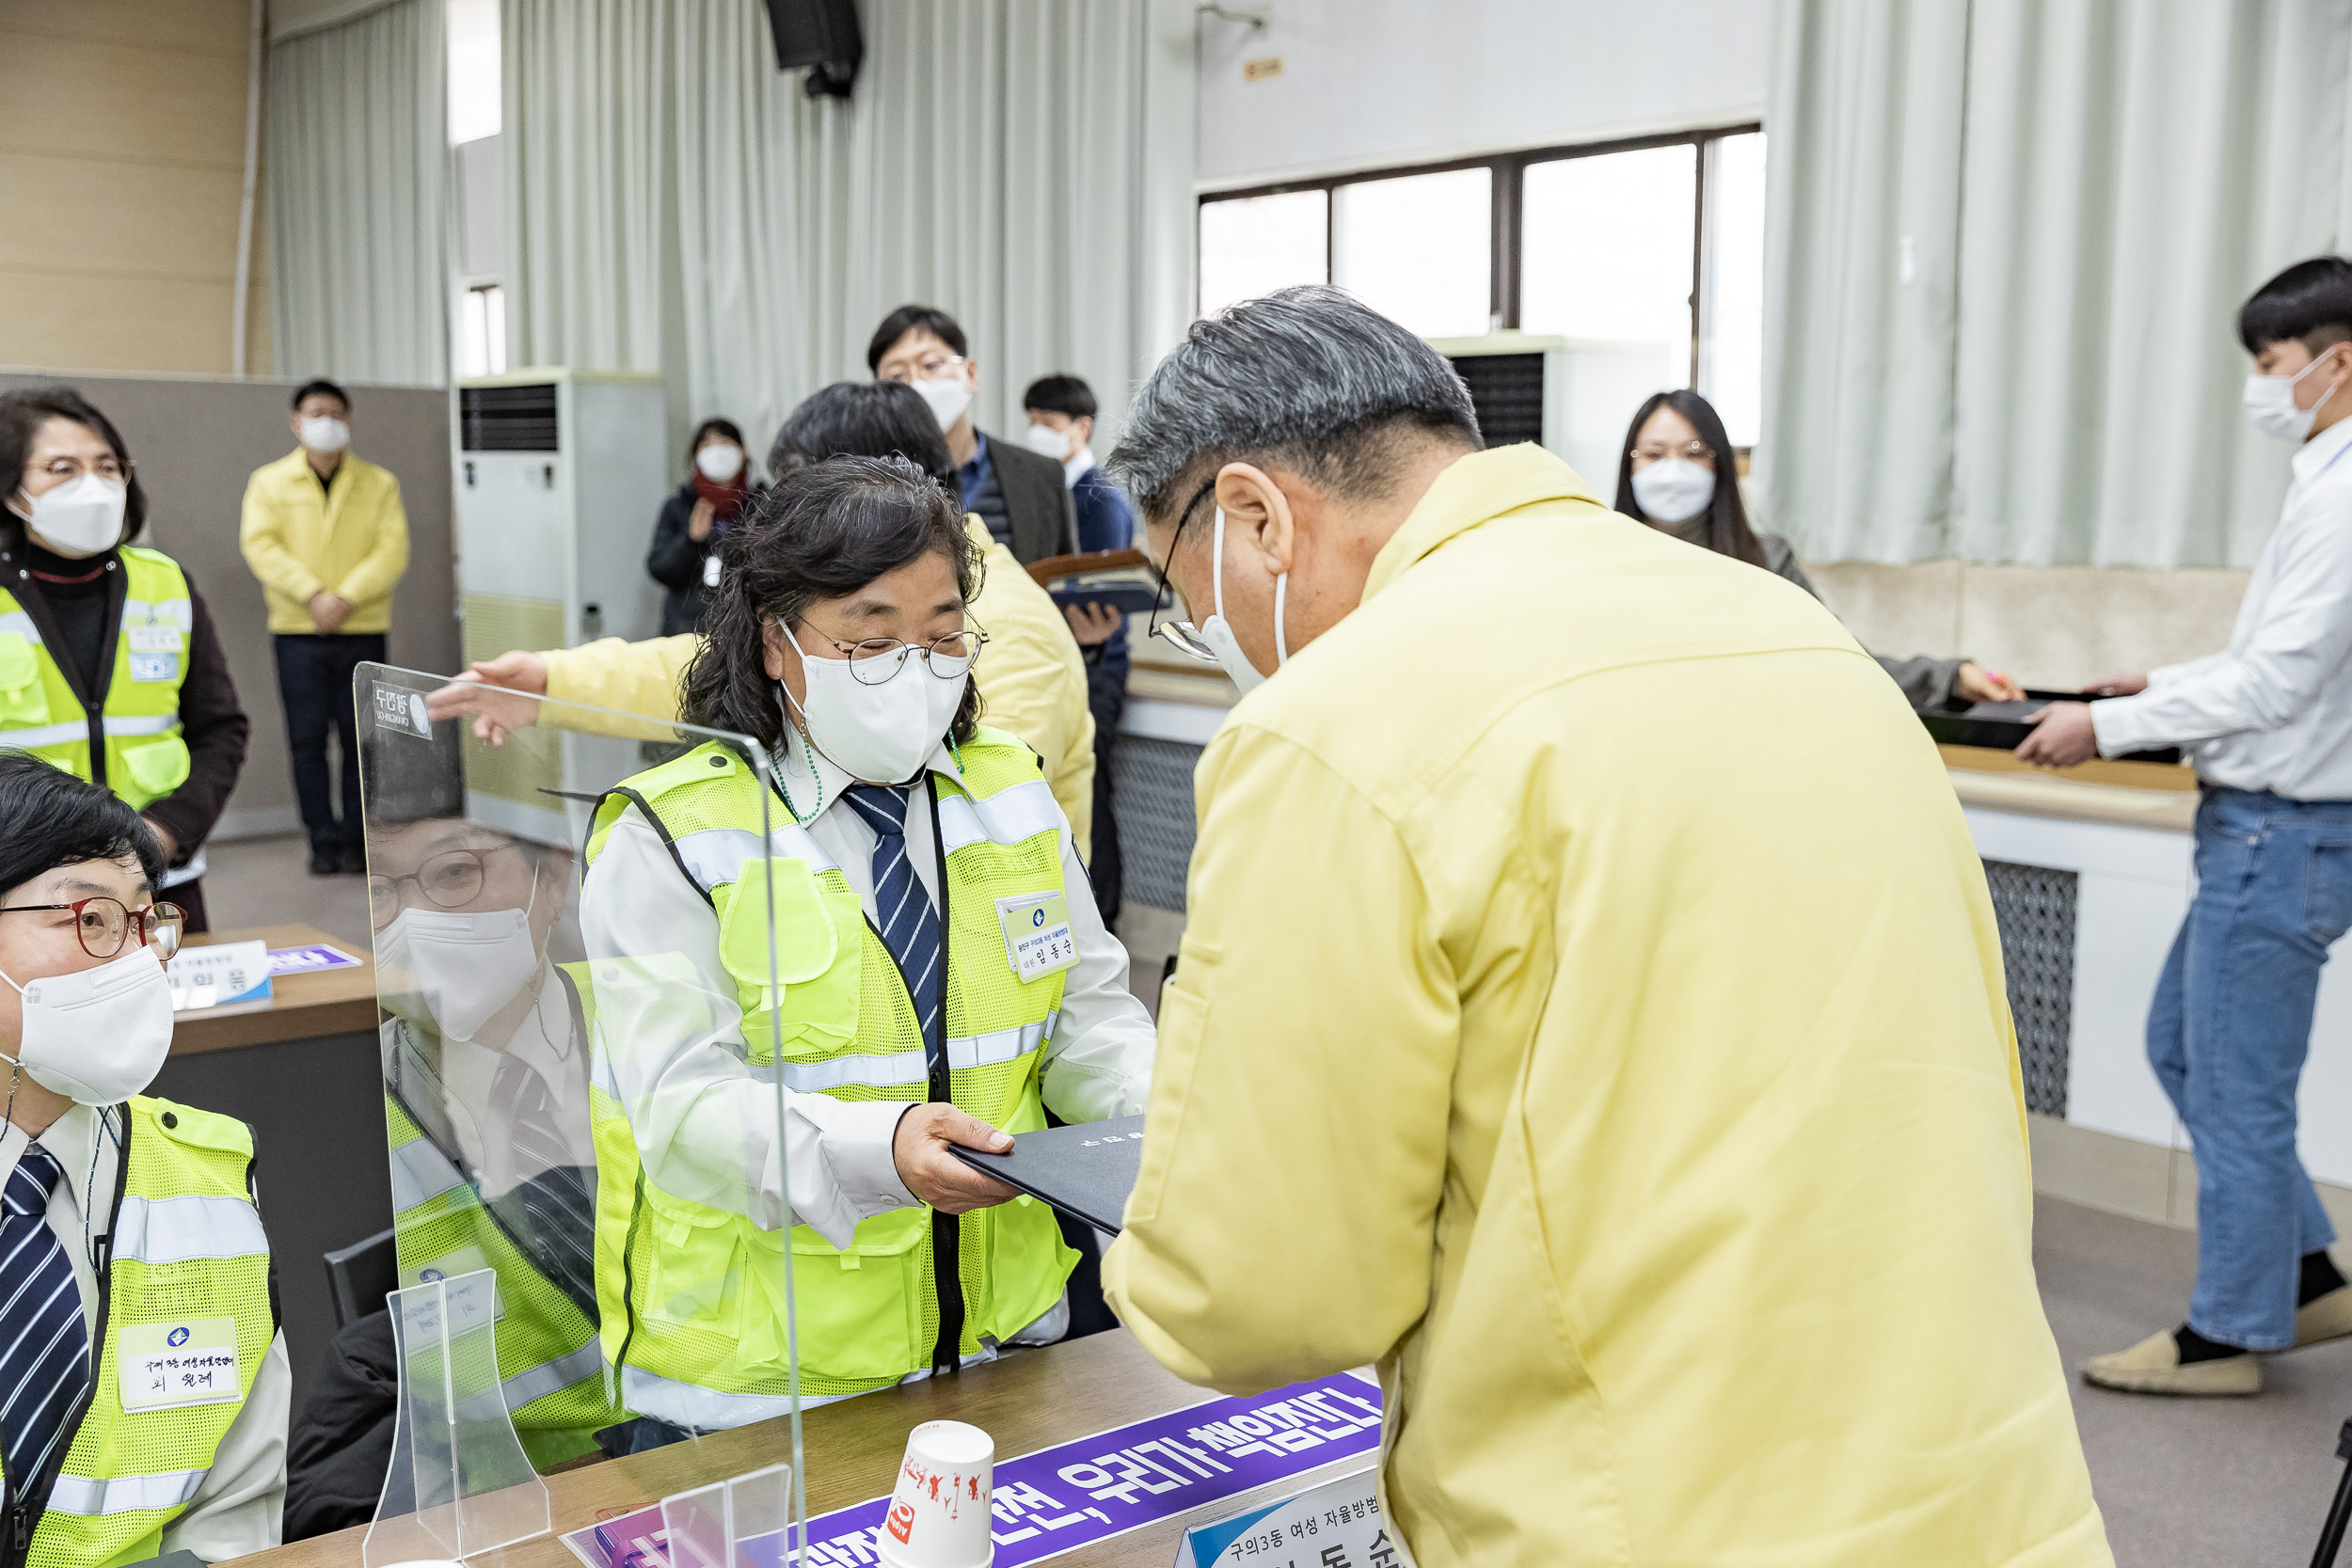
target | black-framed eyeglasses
[
  {"x": 878, "y": 658},
  {"x": 1183, "y": 635},
  {"x": 449, "y": 879},
  {"x": 104, "y": 924}
]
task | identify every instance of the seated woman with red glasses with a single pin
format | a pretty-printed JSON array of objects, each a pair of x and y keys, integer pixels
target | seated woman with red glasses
[{"x": 145, "y": 1374}]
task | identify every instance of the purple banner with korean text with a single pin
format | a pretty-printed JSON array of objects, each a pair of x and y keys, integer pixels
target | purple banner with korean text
[{"x": 1078, "y": 1493}]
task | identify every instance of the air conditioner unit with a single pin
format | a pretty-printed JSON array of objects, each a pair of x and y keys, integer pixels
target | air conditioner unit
[
  {"x": 560, "y": 476},
  {"x": 1573, "y": 396}
]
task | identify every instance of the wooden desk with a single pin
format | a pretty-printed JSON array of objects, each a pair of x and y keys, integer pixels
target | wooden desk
[
  {"x": 1029, "y": 1400},
  {"x": 2154, "y": 795},
  {"x": 301, "y": 1007},
  {"x": 304, "y": 1069}
]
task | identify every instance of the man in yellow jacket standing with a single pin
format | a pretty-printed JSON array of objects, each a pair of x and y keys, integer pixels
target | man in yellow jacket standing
[
  {"x": 325, "y": 533},
  {"x": 1590, "y": 1011}
]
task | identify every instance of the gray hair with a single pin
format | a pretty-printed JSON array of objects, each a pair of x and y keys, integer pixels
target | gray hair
[{"x": 1310, "y": 377}]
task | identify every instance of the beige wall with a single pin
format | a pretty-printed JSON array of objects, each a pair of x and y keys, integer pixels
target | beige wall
[
  {"x": 194, "y": 440},
  {"x": 2052, "y": 627},
  {"x": 122, "y": 161}
]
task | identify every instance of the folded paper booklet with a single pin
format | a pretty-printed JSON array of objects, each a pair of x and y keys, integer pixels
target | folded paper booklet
[{"x": 1086, "y": 1170}]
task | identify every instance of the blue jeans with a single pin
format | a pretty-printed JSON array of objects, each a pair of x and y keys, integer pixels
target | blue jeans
[{"x": 2227, "y": 1034}]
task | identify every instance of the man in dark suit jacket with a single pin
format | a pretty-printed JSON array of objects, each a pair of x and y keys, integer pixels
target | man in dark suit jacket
[{"x": 1019, "y": 494}]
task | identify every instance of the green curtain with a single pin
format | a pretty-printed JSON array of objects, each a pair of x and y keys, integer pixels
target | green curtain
[
  {"x": 2006, "y": 247},
  {"x": 675, "y": 203},
  {"x": 359, "y": 160}
]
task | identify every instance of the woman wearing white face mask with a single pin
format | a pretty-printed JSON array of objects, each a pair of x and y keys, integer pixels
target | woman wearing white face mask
[
  {"x": 109, "y": 664},
  {"x": 1678, "y": 474},
  {"x": 142, "y": 1356},
  {"x": 948, "y": 975},
  {"x": 718, "y": 494}
]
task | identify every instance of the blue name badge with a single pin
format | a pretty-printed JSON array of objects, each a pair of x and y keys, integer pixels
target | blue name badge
[{"x": 155, "y": 666}]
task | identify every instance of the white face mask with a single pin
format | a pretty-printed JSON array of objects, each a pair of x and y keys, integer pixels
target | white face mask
[
  {"x": 2269, "y": 402},
  {"x": 720, "y": 462},
  {"x": 1046, "y": 441},
  {"x": 466, "y": 965},
  {"x": 99, "y": 1036},
  {"x": 81, "y": 517},
  {"x": 1673, "y": 491},
  {"x": 324, "y": 432},
  {"x": 1219, "y": 632},
  {"x": 949, "y": 397},
  {"x": 877, "y": 734}
]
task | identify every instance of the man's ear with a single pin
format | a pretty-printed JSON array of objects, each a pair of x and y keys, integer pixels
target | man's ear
[
  {"x": 1258, "y": 510},
  {"x": 1083, "y": 424}
]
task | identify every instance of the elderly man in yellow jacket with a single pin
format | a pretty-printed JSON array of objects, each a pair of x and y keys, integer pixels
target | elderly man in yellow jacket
[
  {"x": 1590, "y": 1011},
  {"x": 1031, "y": 676},
  {"x": 325, "y": 533}
]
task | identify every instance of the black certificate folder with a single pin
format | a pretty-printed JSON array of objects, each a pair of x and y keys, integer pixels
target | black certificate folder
[{"x": 1086, "y": 1170}]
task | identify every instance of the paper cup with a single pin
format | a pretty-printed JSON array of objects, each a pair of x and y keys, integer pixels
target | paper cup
[{"x": 939, "y": 1515}]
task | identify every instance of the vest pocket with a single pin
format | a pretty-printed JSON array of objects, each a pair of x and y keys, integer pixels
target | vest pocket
[
  {"x": 22, "y": 700},
  {"x": 715, "y": 1273},
  {"x": 820, "y": 943},
  {"x": 861, "y": 1309},
  {"x": 157, "y": 766},
  {"x": 1028, "y": 1263}
]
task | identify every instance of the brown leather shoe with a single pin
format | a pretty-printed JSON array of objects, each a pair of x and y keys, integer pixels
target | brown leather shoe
[
  {"x": 2153, "y": 1366},
  {"x": 2323, "y": 1318}
]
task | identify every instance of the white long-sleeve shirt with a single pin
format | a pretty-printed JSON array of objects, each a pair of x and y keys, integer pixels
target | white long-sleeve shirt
[
  {"x": 240, "y": 1504},
  {"x": 2274, "y": 710},
  {"x": 708, "y": 1123}
]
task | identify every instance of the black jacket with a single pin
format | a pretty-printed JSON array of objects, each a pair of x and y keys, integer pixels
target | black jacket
[
  {"x": 676, "y": 559},
  {"x": 1037, "y": 503}
]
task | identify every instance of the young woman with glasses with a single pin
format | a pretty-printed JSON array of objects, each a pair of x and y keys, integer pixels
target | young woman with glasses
[{"x": 131, "y": 1346}]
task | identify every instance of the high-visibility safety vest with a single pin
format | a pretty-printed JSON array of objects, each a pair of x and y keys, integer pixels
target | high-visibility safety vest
[
  {"x": 188, "y": 1273},
  {"x": 550, "y": 1362},
  {"x": 145, "y": 758},
  {"x": 692, "y": 1298}
]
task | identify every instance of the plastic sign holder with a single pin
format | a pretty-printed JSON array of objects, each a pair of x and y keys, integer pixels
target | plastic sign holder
[
  {"x": 715, "y": 1526},
  {"x": 458, "y": 1484}
]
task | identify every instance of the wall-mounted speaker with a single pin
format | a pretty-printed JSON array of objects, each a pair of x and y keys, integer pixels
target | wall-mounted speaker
[{"x": 823, "y": 35}]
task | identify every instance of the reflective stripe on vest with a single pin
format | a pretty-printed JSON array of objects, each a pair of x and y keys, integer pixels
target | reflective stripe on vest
[
  {"x": 694, "y": 1407},
  {"x": 907, "y": 1067},
  {"x": 156, "y": 1231},
  {"x": 551, "y": 1377},
  {"x": 187, "y": 1246},
  {"x": 144, "y": 758},
  {"x": 1008, "y": 817},
  {"x": 93, "y": 1498},
  {"x": 716, "y": 855},
  {"x": 419, "y": 1175}
]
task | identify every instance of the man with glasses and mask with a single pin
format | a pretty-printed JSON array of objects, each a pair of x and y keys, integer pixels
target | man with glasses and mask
[
  {"x": 143, "y": 1378},
  {"x": 1590, "y": 997},
  {"x": 1017, "y": 493},
  {"x": 486, "y": 1060}
]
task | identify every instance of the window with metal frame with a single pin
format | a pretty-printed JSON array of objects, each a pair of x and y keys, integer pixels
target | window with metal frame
[{"x": 1649, "y": 240}]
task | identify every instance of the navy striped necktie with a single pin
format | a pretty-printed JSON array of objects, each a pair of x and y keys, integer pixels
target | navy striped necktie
[
  {"x": 902, "y": 910},
  {"x": 44, "y": 1350}
]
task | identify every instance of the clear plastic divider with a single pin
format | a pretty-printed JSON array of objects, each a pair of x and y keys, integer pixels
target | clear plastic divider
[{"x": 574, "y": 916}]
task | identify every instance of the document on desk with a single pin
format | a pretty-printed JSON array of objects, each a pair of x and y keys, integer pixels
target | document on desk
[
  {"x": 1078, "y": 1493},
  {"x": 1086, "y": 1170}
]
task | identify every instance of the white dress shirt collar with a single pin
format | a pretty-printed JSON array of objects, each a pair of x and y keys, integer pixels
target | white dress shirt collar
[
  {"x": 1073, "y": 468},
  {"x": 2322, "y": 449}
]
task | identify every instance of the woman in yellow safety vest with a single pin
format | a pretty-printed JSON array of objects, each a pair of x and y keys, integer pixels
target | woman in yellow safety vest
[
  {"x": 109, "y": 665},
  {"x": 143, "y": 1374},
  {"x": 939, "y": 973}
]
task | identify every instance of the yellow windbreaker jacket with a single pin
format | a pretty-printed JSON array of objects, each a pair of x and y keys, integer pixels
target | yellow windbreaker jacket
[
  {"x": 350, "y": 541},
  {"x": 1033, "y": 678},
  {"x": 1590, "y": 1011}
]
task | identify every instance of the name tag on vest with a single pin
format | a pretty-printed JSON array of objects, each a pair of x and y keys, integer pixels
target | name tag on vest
[
  {"x": 154, "y": 666},
  {"x": 166, "y": 1365},
  {"x": 1038, "y": 941},
  {"x": 154, "y": 639},
  {"x": 469, "y": 1294}
]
